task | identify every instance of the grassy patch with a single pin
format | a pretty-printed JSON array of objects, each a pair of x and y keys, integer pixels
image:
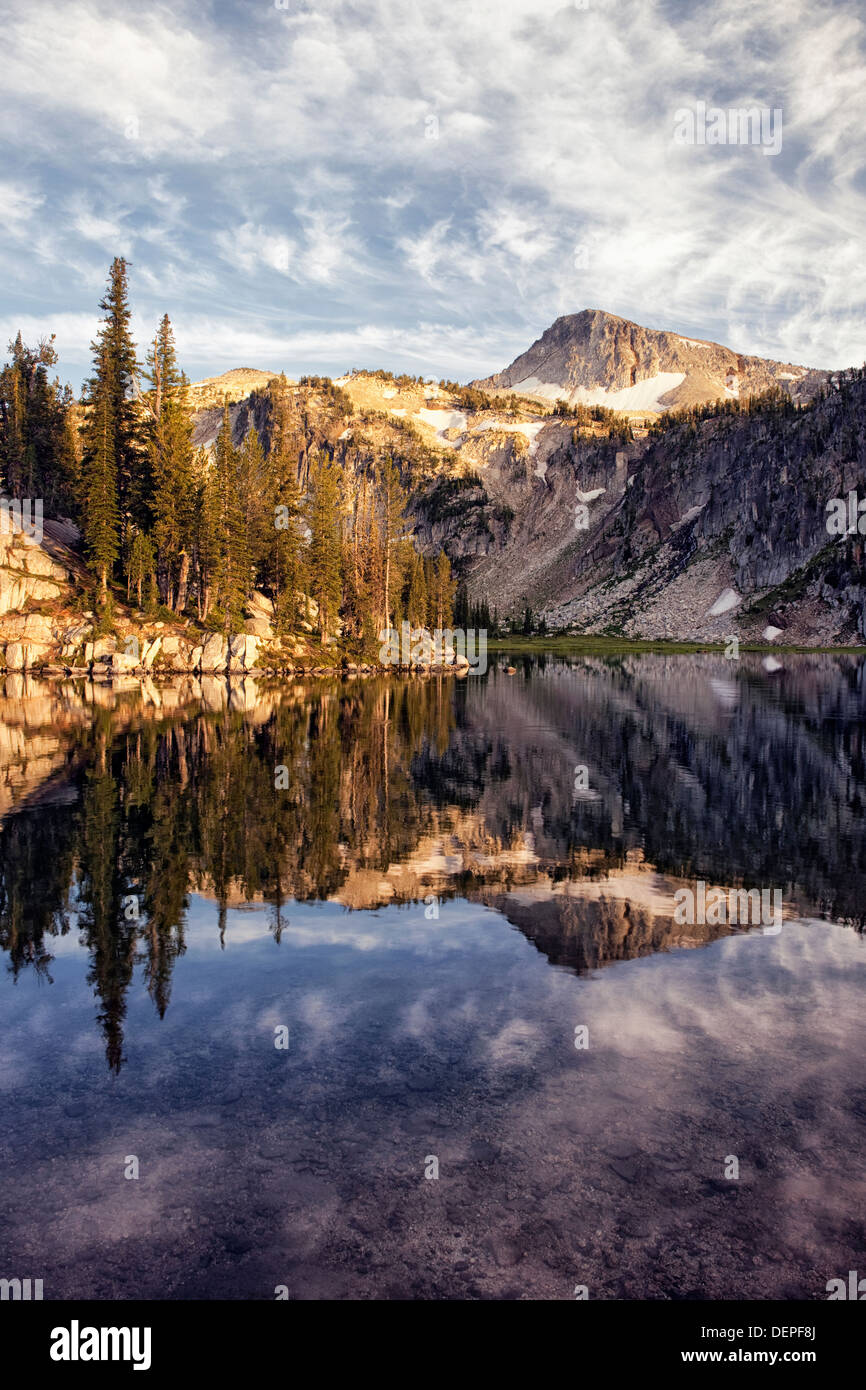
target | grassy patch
[{"x": 589, "y": 643}]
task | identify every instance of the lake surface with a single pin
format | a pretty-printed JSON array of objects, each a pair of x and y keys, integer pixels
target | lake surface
[{"x": 291, "y": 953}]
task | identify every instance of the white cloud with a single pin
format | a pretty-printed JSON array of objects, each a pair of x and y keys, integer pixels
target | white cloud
[
  {"x": 438, "y": 256},
  {"x": 251, "y": 247},
  {"x": 324, "y": 251},
  {"x": 287, "y": 147},
  {"x": 329, "y": 246},
  {"x": 229, "y": 339},
  {"x": 515, "y": 232},
  {"x": 18, "y": 207},
  {"x": 107, "y": 232}
]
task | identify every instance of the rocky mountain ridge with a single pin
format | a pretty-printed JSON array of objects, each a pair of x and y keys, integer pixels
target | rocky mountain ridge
[
  {"x": 598, "y": 358},
  {"x": 698, "y": 525}
]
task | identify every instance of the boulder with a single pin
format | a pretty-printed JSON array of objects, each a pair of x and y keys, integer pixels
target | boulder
[
  {"x": 38, "y": 627},
  {"x": 123, "y": 662},
  {"x": 71, "y": 639},
  {"x": 16, "y": 589},
  {"x": 243, "y": 652},
  {"x": 214, "y": 653},
  {"x": 37, "y": 562},
  {"x": 20, "y": 656},
  {"x": 150, "y": 652},
  {"x": 260, "y": 604}
]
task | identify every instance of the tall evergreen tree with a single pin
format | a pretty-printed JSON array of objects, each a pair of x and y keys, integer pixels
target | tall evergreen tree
[
  {"x": 416, "y": 602},
  {"x": 253, "y": 484},
  {"x": 112, "y": 489},
  {"x": 444, "y": 587},
  {"x": 205, "y": 533},
  {"x": 38, "y": 456},
  {"x": 170, "y": 451},
  {"x": 392, "y": 526},
  {"x": 232, "y": 542},
  {"x": 101, "y": 512},
  {"x": 462, "y": 616},
  {"x": 141, "y": 569},
  {"x": 325, "y": 550},
  {"x": 283, "y": 569}
]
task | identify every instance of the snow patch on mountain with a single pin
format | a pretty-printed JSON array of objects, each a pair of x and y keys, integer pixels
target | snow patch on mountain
[
  {"x": 529, "y": 431},
  {"x": 644, "y": 395},
  {"x": 727, "y": 600},
  {"x": 442, "y": 420},
  {"x": 691, "y": 515}
]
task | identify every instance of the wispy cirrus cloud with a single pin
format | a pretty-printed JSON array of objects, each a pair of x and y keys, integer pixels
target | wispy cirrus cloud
[{"x": 296, "y": 176}]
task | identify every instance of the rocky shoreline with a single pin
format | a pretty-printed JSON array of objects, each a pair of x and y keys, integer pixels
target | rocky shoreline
[
  {"x": 46, "y": 629},
  {"x": 77, "y": 652}
]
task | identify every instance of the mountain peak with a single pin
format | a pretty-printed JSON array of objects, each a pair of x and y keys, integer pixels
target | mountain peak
[
  {"x": 599, "y": 358},
  {"x": 231, "y": 386}
]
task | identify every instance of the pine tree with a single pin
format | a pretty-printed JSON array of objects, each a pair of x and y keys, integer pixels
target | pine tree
[
  {"x": 205, "y": 533},
  {"x": 283, "y": 559},
  {"x": 416, "y": 603},
  {"x": 365, "y": 564},
  {"x": 355, "y": 610},
  {"x": 38, "y": 457},
  {"x": 232, "y": 548},
  {"x": 101, "y": 512},
  {"x": 444, "y": 592},
  {"x": 254, "y": 499},
  {"x": 13, "y": 409},
  {"x": 325, "y": 550},
  {"x": 392, "y": 525},
  {"x": 67, "y": 470},
  {"x": 112, "y": 485},
  {"x": 285, "y": 567},
  {"x": 462, "y": 616},
  {"x": 142, "y": 568},
  {"x": 170, "y": 451}
]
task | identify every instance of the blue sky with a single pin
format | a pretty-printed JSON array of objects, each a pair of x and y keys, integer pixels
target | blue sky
[{"x": 426, "y": 186}]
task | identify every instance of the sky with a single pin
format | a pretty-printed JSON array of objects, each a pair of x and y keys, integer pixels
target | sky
[{"x": 425, "y": 185}]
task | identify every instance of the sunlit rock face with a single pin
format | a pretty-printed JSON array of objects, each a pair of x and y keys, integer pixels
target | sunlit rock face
[
  {"x": 626, "y": 523},
  {"x": 599, "y": 358},
  {"x": 30, "y": 571}
]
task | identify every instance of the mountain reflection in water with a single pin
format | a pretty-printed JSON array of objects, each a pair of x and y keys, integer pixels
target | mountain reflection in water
[{"x": 386, "y": 837}]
